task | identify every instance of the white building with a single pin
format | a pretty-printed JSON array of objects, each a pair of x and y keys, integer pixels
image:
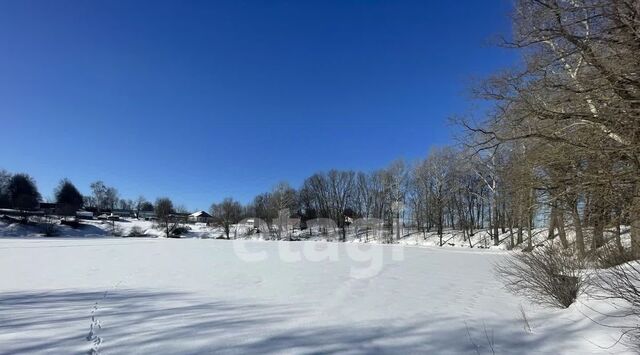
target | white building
[{"x": 199, "y": 217}]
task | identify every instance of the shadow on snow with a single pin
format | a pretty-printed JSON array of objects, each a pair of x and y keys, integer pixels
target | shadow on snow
[{"x": 175, "y": 322}]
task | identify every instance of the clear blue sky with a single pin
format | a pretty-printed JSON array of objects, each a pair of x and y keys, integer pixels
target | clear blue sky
[{"x": 198, "y": 100}]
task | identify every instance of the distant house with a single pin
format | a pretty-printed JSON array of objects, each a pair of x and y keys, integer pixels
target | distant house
[
  {"x": 84, "y": 214},
  {"x": 147, "y": 215},
  {"x": 48, "y": 208},
  {"x": 295, "y": 223},
  {"x": 251, "y": 223},
  {"x": 199, "y": 217},
  {"x": 122, "y": 213},
  {"x": 179, "y": 217},
  {"x": 286, "y": 223}
]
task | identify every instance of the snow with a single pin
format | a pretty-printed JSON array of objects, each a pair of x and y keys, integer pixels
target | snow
[
  {"x": 164, "y": 296},
  {"x": 481, "y": 239},
  {"x": 100, "y": 228}
]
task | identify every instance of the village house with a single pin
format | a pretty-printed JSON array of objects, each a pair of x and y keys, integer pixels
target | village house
[{"x": 200, "y": 217}]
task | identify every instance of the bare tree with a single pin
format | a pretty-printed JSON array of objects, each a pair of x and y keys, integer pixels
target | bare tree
[
  {"x": 434, "y": 175},
  {"x": 164, "y": 210},
  {"x": 105, "y": 197},
  {"x": 396, "y": 181},
  {"x": 226, "y": 213}
]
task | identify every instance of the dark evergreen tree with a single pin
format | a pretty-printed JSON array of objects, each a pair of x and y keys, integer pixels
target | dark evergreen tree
[
  {"x": 68, "y": 198},
  {"x": 5, "y": 177},
  {"x": 23, "y": 193}
]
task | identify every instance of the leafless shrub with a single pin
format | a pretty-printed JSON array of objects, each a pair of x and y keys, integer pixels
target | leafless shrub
[
  {"x": 178, "y": 231},
  {"x": 621, "y": 282},
  {"x": 116, "y": 229},
  {"x": 509, "y": 245},
  {"x": 136, "y": 231},
  {"x": 48, "y": 226},
  {"x": 73, "y": 223},
  {"x": 611, "y": 255},
  {"x": 548, "y": 275}
]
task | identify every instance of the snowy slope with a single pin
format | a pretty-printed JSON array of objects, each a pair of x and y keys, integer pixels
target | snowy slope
[
  {"x": 98, "y": 228},
  {"x": 451, "y": 238},
  {"x": 202, "y": 296}
]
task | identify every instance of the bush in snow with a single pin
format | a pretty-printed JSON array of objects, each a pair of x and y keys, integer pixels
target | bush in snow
[
  {"x": 178, "y": 231},
  {"x": 611, "y": 255},
  {"x": 621, "y": 282},
  {"x": 73, "y": 223},
  {"x": 547, "y": 275},
  {"x": 116, "y": 229},
  {"x": 136, "y": 231},
  {"x": 48, "y": 226}
]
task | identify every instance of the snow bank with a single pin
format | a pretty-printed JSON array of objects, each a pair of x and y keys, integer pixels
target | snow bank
[{"x": 99, "y": 228}]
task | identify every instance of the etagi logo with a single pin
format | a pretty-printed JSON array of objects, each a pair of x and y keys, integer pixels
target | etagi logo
[{"x": 364, "y": 260}]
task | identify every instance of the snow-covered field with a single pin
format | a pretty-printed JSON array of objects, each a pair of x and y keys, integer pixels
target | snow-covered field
[{"x": 187, "y": 296}]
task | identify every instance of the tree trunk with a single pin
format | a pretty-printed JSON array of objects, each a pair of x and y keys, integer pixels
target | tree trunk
[
  {"x": 398, "y": 226},
  {"x": 577, "y": 224},
  {"x": 552, "y": 223},
  {"x": 519, "y": 241},
  {"x": 619, "y": 240},
  {"x": 496, "y": 231},
  {"x": 481, "y": 219},
  {"x": 598, "y": 231},
  {"x": 529, "y": 232},
  {"x": 634, "y": 217},
  {"x": 562, "y": 234},
  {"x": 598, "y": 218},
  {"x": 511, "y": 236},
  {"x": 440, "y": 227},
  {"x": 503, "y": 218}
]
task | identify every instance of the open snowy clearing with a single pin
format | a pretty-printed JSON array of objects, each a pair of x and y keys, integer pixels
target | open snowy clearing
[{"x": 203, "y": 296}]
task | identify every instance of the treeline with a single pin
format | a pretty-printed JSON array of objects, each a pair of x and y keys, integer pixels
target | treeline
[
  {"x": 447, "y": 189},
  {"x": 20, "y": 192},
  {"x": 563, "y": 134},
  {"x": 561, "y": 145}
]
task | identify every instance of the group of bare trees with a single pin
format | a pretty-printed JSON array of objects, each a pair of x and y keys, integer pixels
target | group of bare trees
[
  {"x": 565, "y": 130},
  {"x": 103, "y": 197},
  {"x": 226, "y": 213},
  {"x": 449, "y": 189},
  {"x": 561, "y": 143}
]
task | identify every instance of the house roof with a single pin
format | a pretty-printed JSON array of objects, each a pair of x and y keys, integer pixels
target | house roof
[{"x": 200, "y": 214}]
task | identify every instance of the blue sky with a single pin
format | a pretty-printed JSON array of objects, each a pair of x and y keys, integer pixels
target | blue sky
[{"x": 199, "y": 100}]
